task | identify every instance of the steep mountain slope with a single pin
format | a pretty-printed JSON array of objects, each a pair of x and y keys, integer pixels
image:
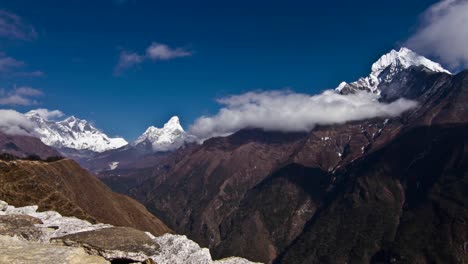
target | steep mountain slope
[
  {"x": 275, "y": 185},
  {"x": 405, "y": 203},
  {"x": 73, "y": 133},
  {"x": 65, "y": 187}
]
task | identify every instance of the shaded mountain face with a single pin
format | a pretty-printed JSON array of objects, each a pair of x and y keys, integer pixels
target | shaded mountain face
[
  {"x": 65, "y": 187},
  {"x": 266, "y": 195},
  {"x": 405, "y": 203}
]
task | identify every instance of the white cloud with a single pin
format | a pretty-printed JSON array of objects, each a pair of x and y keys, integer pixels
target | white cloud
[
  {"x": 19, "y": 96},
  {"x": 293, "y": 112},
  {"x": 443, "y": 33},
  {"x": 13, "y": 26},
  {"x": 14, "y": 123},
  {"x": 155, "y": 52},
  {"x": 158, "y": 51},
  {"x": 127, "y": 60},
  {"x": 48, "y": 114}
]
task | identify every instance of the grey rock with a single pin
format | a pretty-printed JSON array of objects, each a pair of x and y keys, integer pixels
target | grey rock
[
  {"x": 113, "y": 243},
  {"x": 14, "y": 250},
  {"x": 21, "y": 226}
]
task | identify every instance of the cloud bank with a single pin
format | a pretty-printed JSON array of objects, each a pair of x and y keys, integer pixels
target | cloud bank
[
  {"x": 20, "y": 96},
  {"x": 155, "y": 52},
  {"x": 293, "y": 112},
  {"x": 443, "y": 33},
  {"x": 14, "y": 123},
  {"x": 13, "y": 26}
]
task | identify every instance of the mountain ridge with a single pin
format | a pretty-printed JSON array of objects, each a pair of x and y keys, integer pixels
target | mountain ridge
[{"x": 72, "y": 133}]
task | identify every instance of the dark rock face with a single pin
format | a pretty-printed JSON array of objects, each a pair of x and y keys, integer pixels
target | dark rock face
[{"x": 402, "y": 204}]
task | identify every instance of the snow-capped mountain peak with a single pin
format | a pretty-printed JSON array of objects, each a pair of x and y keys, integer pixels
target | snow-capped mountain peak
[
  {"x": 72, "y": 133},
  {"x": 404, "y": 58},
  {"x": 388, "y": 66},
  {"x": 173, "y": 124},
  {"x": 171, "y": 136}
]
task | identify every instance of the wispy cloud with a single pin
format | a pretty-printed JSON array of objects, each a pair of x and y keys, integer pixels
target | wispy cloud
[
  {"x": 158, "y": 51},
  {"x": 127, "y": 60},
  {"x": 13, "y": 26},
  {"x": 10, "y": 66},
  {"x": 155, "y": 52},
  {"x": 443, "y": 33},
  {"x": 20, "y": 96},
  {"x": 14, "y": 123},
  {"x": 293, "y": 112}
]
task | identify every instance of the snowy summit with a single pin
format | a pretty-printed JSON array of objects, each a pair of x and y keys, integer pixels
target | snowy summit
[
  {"x": 170, "y": 137},
  {"x": 390, "y": 64},
  {"x": 72, "y": 133}
]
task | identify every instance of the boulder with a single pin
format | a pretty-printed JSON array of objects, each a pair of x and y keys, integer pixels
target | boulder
[
  {"x": 114, "y": 243},
  {"x": 21, "y": 226}
]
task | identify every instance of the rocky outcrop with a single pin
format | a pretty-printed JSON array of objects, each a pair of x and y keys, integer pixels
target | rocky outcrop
[{"x": 74, "y": 240}]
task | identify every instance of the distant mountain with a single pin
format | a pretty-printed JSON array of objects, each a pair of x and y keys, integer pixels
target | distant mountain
[
  {"x": 170, "y": 137},
  {"x": 73, "y": 133},
  {"x": 149, "y": 148}
]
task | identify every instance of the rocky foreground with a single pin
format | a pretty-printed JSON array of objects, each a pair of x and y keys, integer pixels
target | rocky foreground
[{"x": 28, "y": 236}]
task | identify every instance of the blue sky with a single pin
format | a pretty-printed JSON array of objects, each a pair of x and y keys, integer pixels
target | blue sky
[{"x": 231, "y": 47}]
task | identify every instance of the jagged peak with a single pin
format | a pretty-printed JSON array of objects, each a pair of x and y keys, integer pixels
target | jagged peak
[
  {"x": 173, "y": 123},
  {"x": 74, "y": 133},
  {"x": 170, "y": 136},
  {"x": 405, "y": 58},
  {"x": 396, "y": 61}
]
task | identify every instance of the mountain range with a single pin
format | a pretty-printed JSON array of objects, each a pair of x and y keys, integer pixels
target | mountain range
[
  {"x": 381, "y": 190},
  {"x": 386, "y": 189},
  {"x": 78, "y": 139}
]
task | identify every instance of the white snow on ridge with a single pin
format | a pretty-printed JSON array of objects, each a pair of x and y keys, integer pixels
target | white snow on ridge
[
  {"x": 170, "y": 137},
  {"x": 73, "y": 133},
  {"x": 384, "y": 69}
]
